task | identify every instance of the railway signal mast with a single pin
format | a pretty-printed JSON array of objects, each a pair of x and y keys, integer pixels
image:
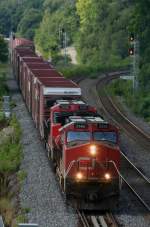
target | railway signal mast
[
  {"x": 63, "y": 41},
  {"x": 134, "y": 54}
]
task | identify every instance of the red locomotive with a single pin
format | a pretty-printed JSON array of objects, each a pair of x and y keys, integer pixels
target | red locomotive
[{"x": 82, "y": 146}]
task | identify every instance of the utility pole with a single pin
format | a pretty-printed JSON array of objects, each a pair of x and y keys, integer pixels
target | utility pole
[
  {"x": 135, "y": 56},
  {"x": 65, "y": 46},
  {"x": 63, "y": 42},
  {"x": 11, "y": 38}
]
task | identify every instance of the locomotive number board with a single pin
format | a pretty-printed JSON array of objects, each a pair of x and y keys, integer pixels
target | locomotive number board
[{"x": 81, "y": 125}]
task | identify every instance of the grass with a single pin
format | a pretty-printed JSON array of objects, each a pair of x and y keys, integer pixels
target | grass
[
  {"x": 83, "y": 70},
  {"x": 21, "y": 175},
  {"x": 7, "y": 210},
  {"x": 4, "y": 69},
  {"x": 138, "y": 101},
  {"x": 10, "y": 159}
]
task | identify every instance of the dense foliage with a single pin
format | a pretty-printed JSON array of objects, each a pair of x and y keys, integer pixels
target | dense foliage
[
  {"x": 58, "y": 15},
  {"x": 15, "y": 13},
  {"x": 98, "y": 29},
  {"x": 3, "y": 50}
]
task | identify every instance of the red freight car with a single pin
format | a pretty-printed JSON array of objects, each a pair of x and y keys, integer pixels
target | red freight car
[
  {"x": 82, "y": 146},
  {"x": 17, "y": 54},
  {"x": 22, "y": 42},
  {"x": 26, "y": 69},
  {"x": 47, "y": 91},
  {"x": 46, "y": 74}
]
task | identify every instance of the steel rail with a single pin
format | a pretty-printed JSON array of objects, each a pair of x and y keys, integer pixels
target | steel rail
[
  {"x": 106, "y": 220},
  {"x": 146, "y": 205},
  {"x": 83, "y": 218},
  {"x": 122, "y": 120},
  {"x": 137, "y": 195}
]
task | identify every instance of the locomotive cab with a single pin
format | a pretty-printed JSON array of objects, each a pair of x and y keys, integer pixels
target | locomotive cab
[
  {"x": 88, "y": 161},
  {"x": 61, "y": 111}
]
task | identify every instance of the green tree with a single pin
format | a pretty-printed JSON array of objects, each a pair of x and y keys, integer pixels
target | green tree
[
  {"x": 3, "y": 50},
  {"x": 58, "y": 15},
  {"x": 29, "y": 23},
  {"x": 103, "y": 32}
]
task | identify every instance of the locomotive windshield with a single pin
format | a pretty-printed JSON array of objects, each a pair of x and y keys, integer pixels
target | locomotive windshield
[
  {"x": 87, "y": 136},
  {"x": 82, "y": 136},
  {"x": 105, "y": 136}
]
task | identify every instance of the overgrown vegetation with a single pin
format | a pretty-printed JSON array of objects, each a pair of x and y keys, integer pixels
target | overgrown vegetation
[
  {"x": 3, "y": 91},
  {"x": 10, "y": 158},
  {"x": 98, "y": 29},
  {"x": 3, "y": 50},
  {"x": 139, "y": 102},
  {"x": 10, "y": 151},
  {"x": 14, "y": 14}
]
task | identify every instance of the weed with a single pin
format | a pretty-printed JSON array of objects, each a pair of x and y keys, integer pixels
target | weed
[{"x": 21, "y": 175}]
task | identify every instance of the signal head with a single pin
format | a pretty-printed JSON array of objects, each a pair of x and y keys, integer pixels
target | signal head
[
  {"x": 131, "y": 37},
  {"x": 131, "y": 51}
]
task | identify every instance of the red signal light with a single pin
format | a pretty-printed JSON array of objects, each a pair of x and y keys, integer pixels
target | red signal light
[{"x": 131, "y": 51}]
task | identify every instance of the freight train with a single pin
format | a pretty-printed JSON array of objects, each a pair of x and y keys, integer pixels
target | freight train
[{"x": 81, "y": 145}]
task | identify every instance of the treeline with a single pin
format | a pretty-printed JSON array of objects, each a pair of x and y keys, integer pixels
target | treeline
[
  {"x": 22, "y": 16},
  {"x": 98, "y": 29}
]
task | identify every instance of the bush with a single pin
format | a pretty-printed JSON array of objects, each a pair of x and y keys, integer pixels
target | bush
[
  {"x": 7, "y": 211},
  {"x": 21, "y": 175},
  {"x": 80, "y": 70},
  {"x": 3, "y": 87},
  {"x": 138, "y": 102}
]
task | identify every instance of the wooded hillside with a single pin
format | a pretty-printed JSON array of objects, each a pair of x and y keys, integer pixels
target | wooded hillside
[{"x": 98, "y": 29}]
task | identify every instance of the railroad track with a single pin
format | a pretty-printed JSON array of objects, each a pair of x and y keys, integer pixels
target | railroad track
[
  {"x": 138, "y": 183},
  {"x": 133, "y": 178},
  {"x": 106, "y": 220},
  {"x": 110, "y": 108}
]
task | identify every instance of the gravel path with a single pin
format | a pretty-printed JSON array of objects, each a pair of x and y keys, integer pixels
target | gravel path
[
  {"x": 130, "y": 213},
  {"x": 40, "y": 192}
]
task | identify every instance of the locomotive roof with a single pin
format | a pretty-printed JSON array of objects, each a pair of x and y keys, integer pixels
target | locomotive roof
[
  {"x": 83, "y": 122},
  {"x": 69, "y": 102},
  {"x": 88, "y": 119}
]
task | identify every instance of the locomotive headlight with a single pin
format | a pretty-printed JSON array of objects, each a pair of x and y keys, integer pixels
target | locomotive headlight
[
  {"x": 93, "y": 150},
  {"x": 79, "y": 176},
  {"x": 107, "y": 176}
]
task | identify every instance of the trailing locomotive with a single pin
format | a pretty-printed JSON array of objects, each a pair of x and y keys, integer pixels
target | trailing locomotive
[{"x": 82, "y": 146}]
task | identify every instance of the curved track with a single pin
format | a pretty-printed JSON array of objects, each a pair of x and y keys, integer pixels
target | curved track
[
  {"x": 131, "y": 129},
  {"x": 135, "y": 179},
  {"x": 138, "y": 183}
]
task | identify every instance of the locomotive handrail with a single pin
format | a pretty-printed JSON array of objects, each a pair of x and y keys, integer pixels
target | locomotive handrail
[
  {"x": 121, "y": 177},
  {"x": 69, "y": 168},
  {"x": 74, "y": 161}
]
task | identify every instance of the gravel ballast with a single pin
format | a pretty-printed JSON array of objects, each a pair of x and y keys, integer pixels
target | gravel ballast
[
  {"x": 40, "y": 193},
  {"x": 130, "y": 212}
]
